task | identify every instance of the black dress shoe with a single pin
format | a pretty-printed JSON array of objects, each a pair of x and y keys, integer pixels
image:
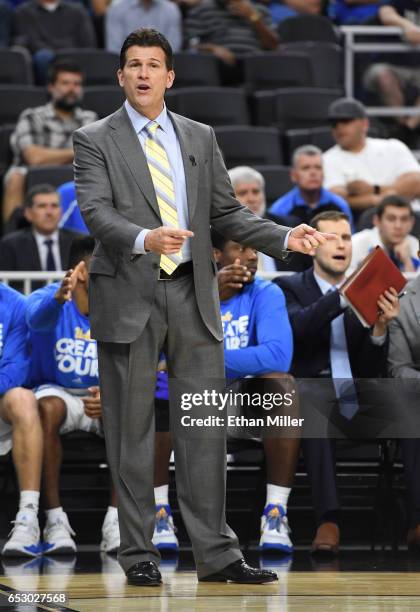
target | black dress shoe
[
  {"x": 144, "y": 573},
  {"x": 239, "y": 571}
]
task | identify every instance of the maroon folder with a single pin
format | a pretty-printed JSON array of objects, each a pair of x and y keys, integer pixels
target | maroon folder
[{"x": 361, "y": 290}]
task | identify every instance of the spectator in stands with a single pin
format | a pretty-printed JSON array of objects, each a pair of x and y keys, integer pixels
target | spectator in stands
[
  {"x": 293, "y": 8},
  {"x": 330, "y": 342},
  {"x": 361, "y": 169},
  {"x": 398, "y": 82},
  {"x": 404, "y": 363},
  {"x": 65, "y": 374},
  {"x": 249, "y": 186},
  {"x": 258, "y": 345},
  {"x": 43, "y": 134},
  {"x": 20, "y": 427},
  {"x": 308, "y": 197},
  {"x": 393, "y": 221},
  {"x": 45, "y": 26},
  {"x": 355, "y": 12},
  {"x": 42, "y": 246},
  {"x": 230, "y": 29},
  {"x": 124, "y": 16}
]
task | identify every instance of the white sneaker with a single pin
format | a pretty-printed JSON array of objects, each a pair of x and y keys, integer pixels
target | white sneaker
[
  {"x": 110, "y": 534},
  {"x": 57, "y": 536},
  {"x": 164, "y": 537},
  {"x": 275, "y": 530},
  {"x": 24, "y": 538}
]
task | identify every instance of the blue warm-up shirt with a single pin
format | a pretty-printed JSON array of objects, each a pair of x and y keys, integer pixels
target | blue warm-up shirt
[
  {"x": 257, "y": 334},
  {"x": 63, "y": 351},
  {"x": 14, "y": 356}
]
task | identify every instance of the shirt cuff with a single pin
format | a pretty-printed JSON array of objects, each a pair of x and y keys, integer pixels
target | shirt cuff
[
  {"x": 138, "y": 248},
  {"x": 286, "y": 240},
  {"x": 378, "y": 340},
  {"x": 343, "y": 302}
]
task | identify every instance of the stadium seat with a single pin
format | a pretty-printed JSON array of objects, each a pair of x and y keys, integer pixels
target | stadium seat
[
  {"x": 103, "y": 99},
  {"x": 99, "y": 66},
  {"x": 320, "y": 137},
  {"x": 5, "y": 149},
  {"x": 213, "y": 105},
  {"x": 277, "y": 181},
  {"x": 195, "y": 69},
  {"x": 307, "y": 27},
  {"x": 250, "y": 146},
  {"x": 55, "y": 175},
  {"x": 17, "y": 98},
  {"x": 15, "y": 67},
  {"x": 297, "y": 107},
  {"x": 326, "y": 60},
  {"x": 275, "y": 70}
]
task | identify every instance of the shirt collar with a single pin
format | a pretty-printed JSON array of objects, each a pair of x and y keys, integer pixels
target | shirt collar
[
  {"x": 324, "y": 285},
  {"x": 139, "y": 121},
  {"x": 299, "y": 201},
  {"x": 41, "y": 238}
]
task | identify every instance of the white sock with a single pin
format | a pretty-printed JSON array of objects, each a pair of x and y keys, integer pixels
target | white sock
[
  {"x": 29, "y": 500},
  {"x": 161, "y": 495},
  {"x": 54, "y": 513},
  {"x": 111, "y": 513},
  {"x": 277, "y": 495}
]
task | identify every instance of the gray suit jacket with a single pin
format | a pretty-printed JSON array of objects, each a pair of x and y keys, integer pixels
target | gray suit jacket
[
  {"x": 117, "y": 199},
  {"x": 404, "y": 335}
]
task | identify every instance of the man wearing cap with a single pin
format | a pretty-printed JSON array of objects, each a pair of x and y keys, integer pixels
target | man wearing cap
[{"x": 362, "y": 169}]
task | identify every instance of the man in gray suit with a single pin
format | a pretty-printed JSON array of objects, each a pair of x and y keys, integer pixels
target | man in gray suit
[
  {"x": 149, "y": 184},
  {"x": 404, "y": 364}
]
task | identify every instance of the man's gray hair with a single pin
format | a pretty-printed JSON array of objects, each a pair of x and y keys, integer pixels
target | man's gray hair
[
  {"x": 308, "y": 149},
  {"x": 245, "y": 174}
]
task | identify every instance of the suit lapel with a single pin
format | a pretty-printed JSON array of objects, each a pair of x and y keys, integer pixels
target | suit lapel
[
  {"x": 190, "y": 160},
  {"x": 128, "y": 144},
  {"x": 32, "y": 251}
]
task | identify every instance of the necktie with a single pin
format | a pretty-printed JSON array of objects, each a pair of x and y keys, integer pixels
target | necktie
[
  {"x": 341, "y": 370},
  {"x": 161, "y": 173},
  {"x": 51, "y": 267}
]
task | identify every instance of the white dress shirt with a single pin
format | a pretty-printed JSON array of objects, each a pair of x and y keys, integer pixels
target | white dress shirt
[{"x": 43, "y": 249}]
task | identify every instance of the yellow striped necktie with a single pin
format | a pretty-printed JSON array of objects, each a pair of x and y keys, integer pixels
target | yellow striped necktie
[{"x": 161, "y": 173}]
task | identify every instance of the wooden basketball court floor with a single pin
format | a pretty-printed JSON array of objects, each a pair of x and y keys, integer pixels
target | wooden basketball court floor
[{"x": 310, "y": 589}]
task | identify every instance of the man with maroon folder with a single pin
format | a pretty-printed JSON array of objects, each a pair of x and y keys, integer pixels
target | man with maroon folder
[{"x": 330, "y": 343}]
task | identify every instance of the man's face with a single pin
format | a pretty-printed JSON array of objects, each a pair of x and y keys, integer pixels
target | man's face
[
  {"x": 350, "y": 133},
  {"x": 334, "y": 256},
  {"x": 252, "y": 196},
  {"x": 145, "y": 79},
  {"x": 308, "y": 173},
  {"x": 45, "y": 212},
  {"x": 67, "y": 91},
  {"x": 394, "y": 225},
  {"x": 233, "y": 250}
]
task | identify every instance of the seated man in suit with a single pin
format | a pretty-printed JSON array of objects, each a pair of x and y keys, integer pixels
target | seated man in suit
[
  {"x": 404, "y": 364},
  {"x": 258, "y": 345},
  {"x": 331, "y": 343},
  {"x": 65, "y": 376},
  {"x": 42, "y": 246},
  {"x": 20, "y": 427}
]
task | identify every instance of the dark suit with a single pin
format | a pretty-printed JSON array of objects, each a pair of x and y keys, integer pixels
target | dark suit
[
  {"x": 311, "y": 314},
  {"x": 19, "y": 252}
]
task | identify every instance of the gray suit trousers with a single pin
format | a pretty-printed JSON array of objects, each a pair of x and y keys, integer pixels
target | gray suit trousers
[{"x": 127, "y": 380}]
